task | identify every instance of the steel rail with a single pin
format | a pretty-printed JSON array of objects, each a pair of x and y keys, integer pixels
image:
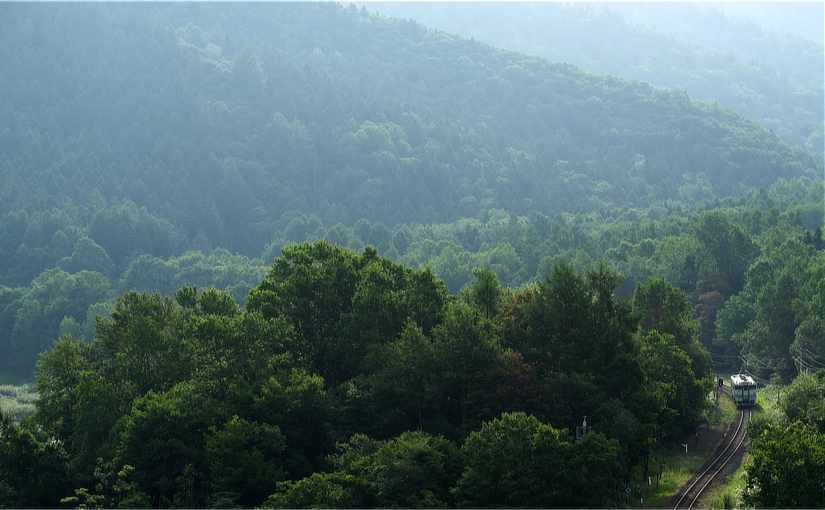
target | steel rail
[
  {"x": 731, "y": 455},
  {"x": 712, "y": 463}
]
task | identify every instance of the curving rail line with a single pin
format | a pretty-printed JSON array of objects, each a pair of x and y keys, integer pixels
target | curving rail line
[{"x": 702, "y": 481}]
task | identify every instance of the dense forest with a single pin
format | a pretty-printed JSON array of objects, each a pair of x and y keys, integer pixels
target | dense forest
[
  {"x": 346, "y": 376},
  {"x": 763, "y": 61},
  {"x": 307, "y": 255},
  {"x": 788, "y": 449},
  {"x": 196, "y": 128},
  {"x": 350, "y": 380}
]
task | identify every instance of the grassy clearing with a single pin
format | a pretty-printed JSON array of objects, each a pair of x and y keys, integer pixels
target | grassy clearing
[
  {"x": 677, "y": 468},
  {"x": 17, "y": 400}
]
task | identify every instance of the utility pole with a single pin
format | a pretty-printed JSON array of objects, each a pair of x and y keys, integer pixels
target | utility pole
[{"x": 581, "y": 430}]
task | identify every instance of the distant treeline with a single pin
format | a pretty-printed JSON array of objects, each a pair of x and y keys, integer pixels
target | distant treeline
[
  {"x": 223, "y": 123},
  {"x": 711, "y": 255}
]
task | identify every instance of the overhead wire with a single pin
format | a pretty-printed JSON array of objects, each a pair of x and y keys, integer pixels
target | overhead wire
[{"x": 811, "y": 356}]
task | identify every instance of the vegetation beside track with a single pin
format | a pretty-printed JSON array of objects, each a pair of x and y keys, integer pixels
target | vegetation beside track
[
  {"x": 677, "y": 467},
  {"x": 17, "y": 400},
  {"x": 729, "y": 494}
]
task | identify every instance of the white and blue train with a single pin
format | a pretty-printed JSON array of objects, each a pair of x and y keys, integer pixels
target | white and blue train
[{"x": 744, "y": 390}]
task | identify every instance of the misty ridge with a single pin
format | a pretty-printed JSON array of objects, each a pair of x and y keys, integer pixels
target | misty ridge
[{"x": 303, "y": 255}]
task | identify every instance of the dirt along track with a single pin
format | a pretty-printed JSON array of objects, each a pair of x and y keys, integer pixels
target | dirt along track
[{"x": 729, "y": 450}]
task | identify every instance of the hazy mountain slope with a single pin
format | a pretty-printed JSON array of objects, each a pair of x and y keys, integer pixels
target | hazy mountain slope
[
  {"x": 803, "y": 20},
  {"x": 221, "y": 119},
  {"x": 715, "y": 53}
]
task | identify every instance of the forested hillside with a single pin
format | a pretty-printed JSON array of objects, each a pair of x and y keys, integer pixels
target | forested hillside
[
  {"x": 220, "y": 122},
  {"x": 763, "y": 61},
  {"x": 145, "y": 140},
  {"x": 301, "y": 255}
]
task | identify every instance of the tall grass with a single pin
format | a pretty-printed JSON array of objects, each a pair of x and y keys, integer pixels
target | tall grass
[
  {"x": 677, "y": 468},
  {"x": 18, "y": 401},
  {"x": 724, "y": 413}
]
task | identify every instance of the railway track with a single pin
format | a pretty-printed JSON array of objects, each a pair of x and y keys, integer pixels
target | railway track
[{"x": 725, "y": 452}]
